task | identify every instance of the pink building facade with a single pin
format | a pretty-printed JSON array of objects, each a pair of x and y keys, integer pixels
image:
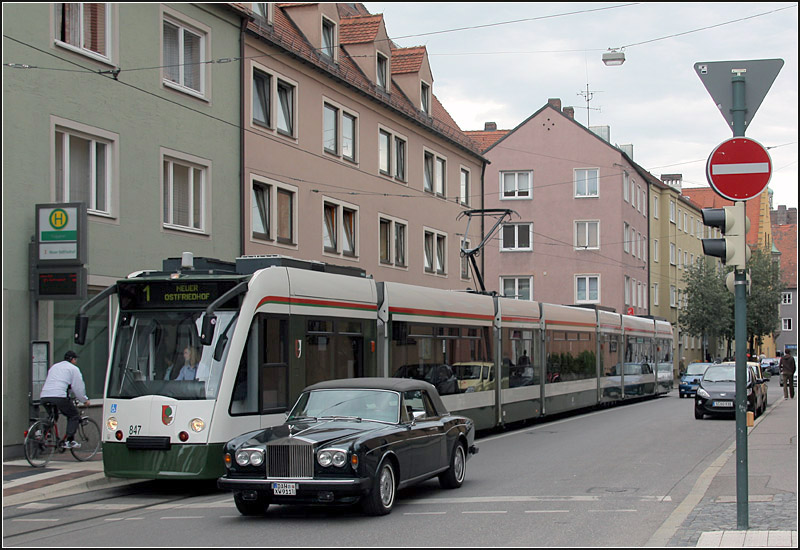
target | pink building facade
[{"x": 579, "y": 230}]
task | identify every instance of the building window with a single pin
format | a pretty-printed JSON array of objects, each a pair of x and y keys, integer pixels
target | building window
[
  {"x": 184, "y": 57},
  {"x": 672, "y": 254},
  {"x": 786, "y": 298},
  {"x": 339, "y": 228},
  {"x": 393, "y": 247},
  {"x": 516, "y": 185},
  {"x": 655, "y": 206},
  {"x": 392, "y": 155},
  {"x": 382, "y": 66},
  {"x": 262, "y": 92},
  {"x": 464, "y": 197},
  {"x": 435, "y": 173},
  {"x": 349, "y": 130},
  {"x": 425, "y": 98},
  {"x": 786, "y": 324},
  {"x": 84, "y": 28},
  {"x": 587, "y": 288},
  {"x": 517, "y": 237},
  {"x": 185, "y": 191},
  {"x": 330, "y": 128},
  {"x": 328, "y": 38},
  {"x": 625, "y": 189},
  {"x": 655, "y": 294},
  {"x": 83, "y": 168},
  {"x": 672, "y": 211},
  {"x": 627, "y": 290},
  {"x": 586, "y": 183},
  {"x": 435, "y": 251},
  {"x": 655, "y": 250},
  {"x": 673, "y": 296},
  {"x": 286, "y": 102},
  {"x": 516, "y": 287},
  {"x": 465, "y": 243},
  {"x": 272, "y": 211},
  {"x": 587, "y": 234},
  {"x": 339, "y": 130},
  {"x": 626, "y": 230}
]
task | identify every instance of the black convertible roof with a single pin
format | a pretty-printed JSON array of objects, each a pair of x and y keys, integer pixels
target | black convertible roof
[{"x": 392, "y": 384}]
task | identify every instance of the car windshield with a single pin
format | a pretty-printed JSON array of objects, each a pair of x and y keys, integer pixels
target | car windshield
[
  {"x": 361, "y": 404},
  {"x": 468, "y": 371},
  {"x": 697, "y": 368},
  {"x": 720, "y": 373}
]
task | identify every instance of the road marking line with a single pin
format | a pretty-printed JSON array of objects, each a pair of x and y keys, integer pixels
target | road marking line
[
  {"x": 485, "y": 512},
  {"x": 181, "y": 517},
  {"x": 36, "y": 520},
  {"x": 546, "y": 511},
  {"x": 424, "y": 513}
]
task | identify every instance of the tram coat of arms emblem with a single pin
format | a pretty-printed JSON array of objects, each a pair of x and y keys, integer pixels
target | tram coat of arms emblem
[{"x": 167, "y": 414}]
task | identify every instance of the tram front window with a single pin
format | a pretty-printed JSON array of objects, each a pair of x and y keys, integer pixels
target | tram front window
[{"x": 159, "y": 353}]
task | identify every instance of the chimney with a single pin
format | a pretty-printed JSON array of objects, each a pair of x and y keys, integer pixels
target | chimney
[
  {"x": 673, "y": 180},
  {"x": 489, "y": 126},
  {"x": 555, "y": 103},
  {"x": 569, "y": 112}
]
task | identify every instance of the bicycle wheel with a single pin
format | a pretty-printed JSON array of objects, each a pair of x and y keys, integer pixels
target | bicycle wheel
[
  {"x": 88, "y": 435},
  {"x": 40, "y": 444}
]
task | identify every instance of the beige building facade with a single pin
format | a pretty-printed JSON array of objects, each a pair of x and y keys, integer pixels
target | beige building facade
[{"x": 349, "y": 158}]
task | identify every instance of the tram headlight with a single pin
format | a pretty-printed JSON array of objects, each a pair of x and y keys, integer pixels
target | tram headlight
[
  {"x": 197, "y": 424},
  {"x": 111, "y": 423},
  {"x": 334, "y": 457}
]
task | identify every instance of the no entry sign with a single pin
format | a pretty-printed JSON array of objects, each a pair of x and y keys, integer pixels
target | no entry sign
[{"x": 739, "y": 169}]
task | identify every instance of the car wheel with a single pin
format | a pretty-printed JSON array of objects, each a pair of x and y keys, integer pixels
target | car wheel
[
  {"x": 380, "y": 500},
  {"x": 251, "y": 506},
  {"x": 682, "y": 396},
  {"x": 454, "y": 476},
  {"x": 698, "y": 414}
]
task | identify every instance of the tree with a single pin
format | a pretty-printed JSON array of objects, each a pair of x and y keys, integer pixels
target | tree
[
  {"x": 709, "y": 305},
  {"x": 764, "y": 298}
]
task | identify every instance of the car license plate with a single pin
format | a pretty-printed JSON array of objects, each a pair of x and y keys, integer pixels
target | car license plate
[
  {"x": 289, "y": 489},
  {"x": 723, "y": 403}
]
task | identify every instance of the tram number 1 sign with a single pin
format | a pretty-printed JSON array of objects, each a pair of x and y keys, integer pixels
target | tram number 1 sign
[{"x": 739, "y": 169}]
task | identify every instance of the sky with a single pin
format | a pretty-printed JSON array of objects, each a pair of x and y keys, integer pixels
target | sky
[{"x": 501, "y": 62}]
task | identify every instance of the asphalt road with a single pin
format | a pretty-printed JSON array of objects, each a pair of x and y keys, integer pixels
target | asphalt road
[{"x": 608, "y": 477}]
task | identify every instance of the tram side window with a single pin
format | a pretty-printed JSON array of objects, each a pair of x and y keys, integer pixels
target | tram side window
[
  {"x": 521, "y": 361},
  {"x": 571, "y": 355},
  {"x": 454, "y": 359},
  {"x": 262, "y": 381},
  {"x": 334, "y": 348}
]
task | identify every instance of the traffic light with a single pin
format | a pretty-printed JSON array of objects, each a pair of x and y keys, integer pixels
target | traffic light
[{"x": 734, "y": 224}]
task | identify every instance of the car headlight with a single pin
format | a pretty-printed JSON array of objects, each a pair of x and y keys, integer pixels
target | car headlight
[
  {"x": 249, "y": 457},
  {"x": 335, "y": 457},
  {"x": 703, "y": 393}
]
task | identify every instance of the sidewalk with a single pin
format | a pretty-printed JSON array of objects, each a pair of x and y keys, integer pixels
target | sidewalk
[{"x": 706, "y": 518}]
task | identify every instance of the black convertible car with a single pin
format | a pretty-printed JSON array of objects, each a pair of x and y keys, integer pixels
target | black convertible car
[{"x": 351, "y": 440}]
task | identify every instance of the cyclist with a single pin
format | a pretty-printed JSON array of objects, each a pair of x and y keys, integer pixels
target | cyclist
[{"x": 60, "y": 378}]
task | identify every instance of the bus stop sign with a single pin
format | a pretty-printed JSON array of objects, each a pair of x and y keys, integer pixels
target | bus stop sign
[{"x": 739, "y": 169}]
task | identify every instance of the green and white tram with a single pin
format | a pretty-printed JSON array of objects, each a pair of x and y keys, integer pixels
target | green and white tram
[{"x": 208, "y": 350}]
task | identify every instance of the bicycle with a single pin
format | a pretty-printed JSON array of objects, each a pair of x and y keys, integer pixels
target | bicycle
[{"x": 42, "y": 439}]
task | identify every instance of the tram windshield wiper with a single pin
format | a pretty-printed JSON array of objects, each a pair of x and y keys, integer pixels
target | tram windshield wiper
[{"x": 303, "y": 419}]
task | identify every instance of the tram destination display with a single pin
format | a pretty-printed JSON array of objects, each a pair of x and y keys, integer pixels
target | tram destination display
[{"x": 178, "y": 294}]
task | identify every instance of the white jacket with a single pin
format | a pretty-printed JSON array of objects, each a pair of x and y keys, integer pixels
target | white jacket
[{"x": 60, "y": 377}]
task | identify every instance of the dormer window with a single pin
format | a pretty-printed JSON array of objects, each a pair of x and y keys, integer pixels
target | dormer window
[
  {"x": 425, "y": 98},
  {"x": 382, "y": 70},
  {"x": 263, "y": 10},
  {"x": 328, "y": 38}
]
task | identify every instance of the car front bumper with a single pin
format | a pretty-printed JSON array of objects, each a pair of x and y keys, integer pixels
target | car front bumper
[{"x": 322, "y": 491}]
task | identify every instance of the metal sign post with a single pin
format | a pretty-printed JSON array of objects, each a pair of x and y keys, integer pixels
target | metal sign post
[{"x": 726, "y": 82}]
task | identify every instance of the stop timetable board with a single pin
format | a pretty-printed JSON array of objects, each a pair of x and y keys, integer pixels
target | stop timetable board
[{"x": 739, "y": 169}]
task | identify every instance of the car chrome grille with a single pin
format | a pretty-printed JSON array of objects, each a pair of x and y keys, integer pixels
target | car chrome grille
[{"x": 290, "y": 458}]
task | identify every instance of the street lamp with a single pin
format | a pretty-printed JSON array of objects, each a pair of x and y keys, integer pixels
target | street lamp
[{"x": 614, "y": 57}]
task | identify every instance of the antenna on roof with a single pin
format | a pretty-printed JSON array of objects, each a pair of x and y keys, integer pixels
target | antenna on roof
[{"x": 587, "y": 95}]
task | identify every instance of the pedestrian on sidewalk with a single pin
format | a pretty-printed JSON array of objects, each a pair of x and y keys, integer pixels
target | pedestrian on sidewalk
[{"x": 787, "y": 374}]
